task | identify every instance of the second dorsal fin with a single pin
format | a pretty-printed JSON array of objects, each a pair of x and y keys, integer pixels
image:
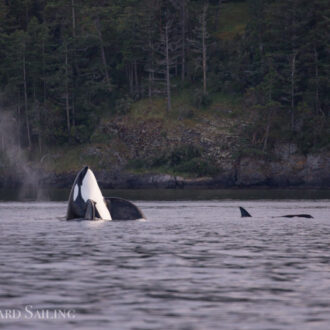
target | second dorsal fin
[{"x": 244, "y": 213}]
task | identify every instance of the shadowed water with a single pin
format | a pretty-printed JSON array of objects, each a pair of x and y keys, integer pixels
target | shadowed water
[{"x": 191, "y": 265}]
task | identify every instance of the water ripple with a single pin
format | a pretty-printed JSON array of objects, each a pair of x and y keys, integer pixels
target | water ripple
[{"x": 192, "y": 265}]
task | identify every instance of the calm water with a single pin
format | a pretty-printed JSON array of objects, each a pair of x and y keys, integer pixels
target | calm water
[{"x": 191, "y": 265}]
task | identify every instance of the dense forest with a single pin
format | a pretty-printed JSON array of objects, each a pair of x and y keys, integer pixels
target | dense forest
[{"x": 66, "y": 63}]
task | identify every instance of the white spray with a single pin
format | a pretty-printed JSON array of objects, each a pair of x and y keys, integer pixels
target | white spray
[{"x": 14, "y": 161}]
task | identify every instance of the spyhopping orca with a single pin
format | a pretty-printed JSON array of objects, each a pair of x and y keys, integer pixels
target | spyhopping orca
[
  {"x": 86, "y": 202},
  {"x": 245, "y": 213}
]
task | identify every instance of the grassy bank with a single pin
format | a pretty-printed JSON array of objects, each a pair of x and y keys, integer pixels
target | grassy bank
[{"x": 146, "y": 138}]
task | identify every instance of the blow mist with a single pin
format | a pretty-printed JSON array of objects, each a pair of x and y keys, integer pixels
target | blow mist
[{"x": 14, "y": 161}]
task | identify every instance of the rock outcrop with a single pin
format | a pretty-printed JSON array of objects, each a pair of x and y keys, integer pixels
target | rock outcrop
[{"x": 294, "y": 171}]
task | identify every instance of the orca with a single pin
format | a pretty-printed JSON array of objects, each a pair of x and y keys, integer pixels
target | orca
[
  {"x": 307, "y": 216},
  {"x": 245, "y": 213},
  {"x": 86, "y": 201}
]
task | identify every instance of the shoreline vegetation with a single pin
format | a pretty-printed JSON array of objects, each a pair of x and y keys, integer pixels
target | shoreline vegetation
[
  {"x": 47, "y": 194},
  {"x": 143, "y": 149},
  {"x": 175, "y": 94}
]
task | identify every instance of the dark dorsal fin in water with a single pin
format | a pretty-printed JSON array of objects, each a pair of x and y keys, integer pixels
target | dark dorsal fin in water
[
  {"x": 307, "y": 216},
  {"x": 122, "y": 209},
  {"x": 244, "y": 213}
]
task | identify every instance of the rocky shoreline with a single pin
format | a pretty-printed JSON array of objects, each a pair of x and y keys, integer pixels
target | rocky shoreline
[{"x": 311, "y": 171}]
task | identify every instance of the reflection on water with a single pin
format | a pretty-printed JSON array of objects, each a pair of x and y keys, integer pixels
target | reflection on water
[
  {"x": 173, "y": 194},
  {"x": 191, "y": 265}
]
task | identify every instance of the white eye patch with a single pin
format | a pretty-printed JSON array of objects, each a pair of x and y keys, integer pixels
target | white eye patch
[{"x": 75, "y": 192}]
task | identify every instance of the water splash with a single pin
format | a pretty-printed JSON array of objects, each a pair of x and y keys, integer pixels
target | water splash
[{"x": 14, "y": 160}]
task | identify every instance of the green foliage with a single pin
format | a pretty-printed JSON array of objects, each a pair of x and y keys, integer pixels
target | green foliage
[
  {"x": 313, "y": 134},
  {"x": 185, "y": 159},
  {"x": 197, "y": 167},
  {"x": 186, "y": 113},
  {"x": 63, "y": 67},
  {"x": 80, "y": 133},
  {"x": 200, "y": 100},
  {"x": 233, "y": 17},
  {"x": 183, "y": 154},
  {"x": 123, "y": 105},
  {"x": 253, "y": 153}
]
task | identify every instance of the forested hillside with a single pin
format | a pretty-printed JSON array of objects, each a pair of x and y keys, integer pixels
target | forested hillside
[{"x": 65, "y": 65}]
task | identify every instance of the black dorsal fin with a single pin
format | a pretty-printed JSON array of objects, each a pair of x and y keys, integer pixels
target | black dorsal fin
[{"x": 244, "y": 213}]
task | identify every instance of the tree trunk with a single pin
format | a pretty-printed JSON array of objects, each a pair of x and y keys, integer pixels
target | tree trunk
[
  {"x": 137, "y": 87},
  {"x": 19, "y": 146},
  {"x": 2, "y": 143},
  {"x": 183, "y": 45},
  {"x": 168, "y": 81},
  {"x": 37, "y": 110},
  {"x": 73, "y": 18},
  {"x": 317, "y": 83},
  {"x": 67, "y": 106},
  {"x": 152, "y": 69},
  {"x": 27, "y": 121},
  {"x": 218, "y": 14},
  {"x": 176, "y": 67},
  {"x": 104, "y": 59},
  {"x": 39, "y": 131},
  {"x": 204, "y": 48},
  {"x": 130, "y": 78},
  {"x": 43, "y": 72},
  {"x": 149, "y": 85},
  {"x": 293, "y": 72},
  {"x": 269, "y": 122},
  {"x": 42, "y": 114},
  {"x": 73, "y": 114}
]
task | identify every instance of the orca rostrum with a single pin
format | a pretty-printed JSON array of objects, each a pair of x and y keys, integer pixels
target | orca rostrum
[
  {"x": 86, "y": 201},
  {"x": 245, "y": 213}
]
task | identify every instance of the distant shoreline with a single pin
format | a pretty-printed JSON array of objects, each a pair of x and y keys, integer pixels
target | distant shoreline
[
  {"x": 294, "y": 171},
  {"x": 125, "y": 180},
  {"x": 47, "y": 194}
]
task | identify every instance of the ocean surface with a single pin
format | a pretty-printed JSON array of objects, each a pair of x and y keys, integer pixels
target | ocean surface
[{"x": 193, "y": 264}]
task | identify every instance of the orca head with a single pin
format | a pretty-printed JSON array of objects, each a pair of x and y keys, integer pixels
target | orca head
[{"x": 85, "y": 188}]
